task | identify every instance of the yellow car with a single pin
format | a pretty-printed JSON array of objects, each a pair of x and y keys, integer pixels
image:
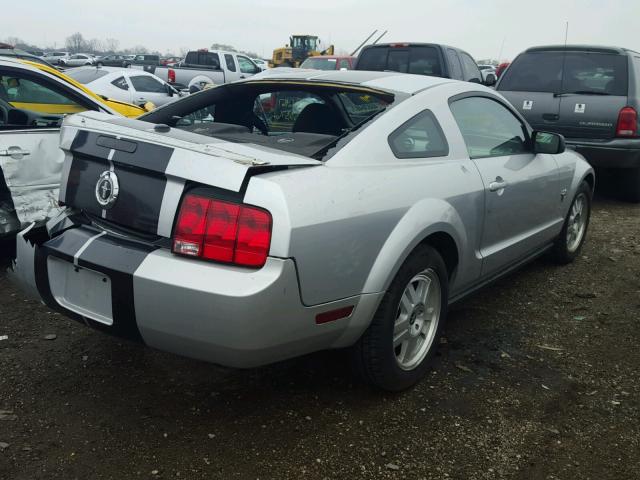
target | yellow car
[{"x": 65, "y": 107}]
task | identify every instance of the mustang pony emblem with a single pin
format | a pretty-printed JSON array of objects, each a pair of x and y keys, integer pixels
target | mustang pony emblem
[{"x": 107, "y": 189}]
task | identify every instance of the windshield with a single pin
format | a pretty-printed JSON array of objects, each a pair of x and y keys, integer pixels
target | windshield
[
  {"x": 570, "y": 72},
  {"x": 320, "y": 63},
  {"x": 298, "y": 117}
]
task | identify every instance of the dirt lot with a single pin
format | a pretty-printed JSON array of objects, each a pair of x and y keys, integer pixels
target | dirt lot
[{"x": 537, "y": 378}]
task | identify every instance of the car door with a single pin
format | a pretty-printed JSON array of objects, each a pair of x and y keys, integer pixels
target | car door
[
  {"x": 231, "y": 73},
  {"x": 470, "y": 68},
  {"x": 146, "y": 88},
  {"x": 32, "y": 109},
  {"x": 522, "y": 189}
]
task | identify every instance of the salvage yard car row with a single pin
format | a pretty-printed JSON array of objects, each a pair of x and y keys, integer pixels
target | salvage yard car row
[{"x": 314, "y": 209}]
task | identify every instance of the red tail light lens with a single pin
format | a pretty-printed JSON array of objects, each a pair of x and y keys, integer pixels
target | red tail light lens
[
  {"x": 627, "y": 123},
  {"x": 171, "y": 75},
  {"x": 222, "y": 231}
]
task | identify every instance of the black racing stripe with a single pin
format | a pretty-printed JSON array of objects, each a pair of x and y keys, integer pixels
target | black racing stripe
[
  {"x": 149, "y": 156},
  {"x": 81, "y": 183},
  {"x": 86, "y": 143},
  {"x": 67, "y": 245},
  {"x": 118, "y": 259},
  {"x": 139, "y": 200}
]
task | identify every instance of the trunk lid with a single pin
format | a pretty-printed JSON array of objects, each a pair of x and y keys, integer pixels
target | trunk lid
[{"x": 151, "y": 166}]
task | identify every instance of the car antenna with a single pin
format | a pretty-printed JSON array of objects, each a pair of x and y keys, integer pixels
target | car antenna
[
  {"x": 564, "y": 58},
  {"x": 378, "y": 39}
]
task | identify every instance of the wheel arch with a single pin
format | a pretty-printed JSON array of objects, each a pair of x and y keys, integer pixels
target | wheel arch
[{"x": 445, "y": 233}]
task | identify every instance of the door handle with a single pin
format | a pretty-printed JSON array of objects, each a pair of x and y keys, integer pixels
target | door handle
[
  {"x": 14, "y": 152},
  {"x": 242, "y": 76},
  {"x": 497, "y": 185}
]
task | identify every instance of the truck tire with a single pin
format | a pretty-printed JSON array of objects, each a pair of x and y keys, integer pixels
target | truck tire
[
  {"x": 568, "y": 244},
  {"x": 395, "y": 351}
]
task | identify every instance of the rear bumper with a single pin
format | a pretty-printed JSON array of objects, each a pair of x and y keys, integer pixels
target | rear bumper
[
  {"x": 222, "y": 314},
  {"x": 616, "y": 153}
]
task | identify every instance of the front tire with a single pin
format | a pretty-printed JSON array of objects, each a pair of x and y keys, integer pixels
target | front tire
[
  {"x": 395, "y": 351},
  {"x": 574, "y": 231}
]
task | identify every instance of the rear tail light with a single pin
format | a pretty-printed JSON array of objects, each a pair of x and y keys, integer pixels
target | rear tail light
[
  {"x": 222, "y": 231},
  {"x": 627, "y": 123},
  {"x": 171, "y": 75}
]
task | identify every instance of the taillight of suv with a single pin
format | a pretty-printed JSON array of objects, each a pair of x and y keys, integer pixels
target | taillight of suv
[
  {"x": 627, "y": 123},
  {"x": 222, "y": 231}
]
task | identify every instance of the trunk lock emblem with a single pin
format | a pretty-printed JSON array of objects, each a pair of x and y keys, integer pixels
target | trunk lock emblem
[{"x": 107, "y": 189}]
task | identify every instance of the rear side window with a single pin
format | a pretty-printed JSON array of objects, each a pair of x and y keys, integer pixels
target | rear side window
[
  {"x": 121, "y": 83},
  {"x": 454, "y": 63},
  {"x": 471, "y": 70},
  {"x": 231, "y": 64},
  {"x": 419, "y": 137}
]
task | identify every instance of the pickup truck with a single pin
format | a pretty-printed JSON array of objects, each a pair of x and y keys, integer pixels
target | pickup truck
[
  {"x": 201, "y": 67},
  {"x": 429, "y": 59}
]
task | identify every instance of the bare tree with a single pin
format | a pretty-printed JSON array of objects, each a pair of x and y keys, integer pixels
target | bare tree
[
  {"x": 140, "y": 49},
  {"x": 111, "y": 45},
  {"x": 75, "y": 43},
  {"x": 94, "y": 45}
]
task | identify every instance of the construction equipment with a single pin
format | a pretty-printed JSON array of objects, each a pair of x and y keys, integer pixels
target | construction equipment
[{"x": 300, "y": 48}]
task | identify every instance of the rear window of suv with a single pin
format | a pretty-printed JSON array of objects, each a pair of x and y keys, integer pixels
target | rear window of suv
[
  {"x": 419, "y": 59},
  {"x": 571, "y": 72}
]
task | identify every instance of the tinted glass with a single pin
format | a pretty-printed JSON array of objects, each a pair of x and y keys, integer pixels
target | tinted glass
[
  {"x": 595, "y": 73},
  {"x": 231, "y": 64},
  {"x": 143, "y": 83},
  {"x": 374, "y": 59},
  {"x": 344, "y": 63},
  {"x": 454, "y": 64},
  {"x": 424, "y": 61},
  {"x": 121, "y": 83},
  {"x": 489, "y": 128},
  {"x": 398, "y": 60},
  {"x": 420, "y": 137},
  {"x": 86, "y": 76},
  {"x": 534, "y": 72}
]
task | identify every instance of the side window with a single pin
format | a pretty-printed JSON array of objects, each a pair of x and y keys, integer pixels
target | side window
[
  {"x": 38, "y": 97},
  {"x": 489, "y": 128},
  {"x": 143, "y": 83},
  {"x": 419, "y": 137},
  {"x": 471, "y": 70},
  {"x": 121, "y": 83},
  {"x": 231, "y": 64},
  {"x": 246, "y": 65},
  {"x": 454, "y": 64}
]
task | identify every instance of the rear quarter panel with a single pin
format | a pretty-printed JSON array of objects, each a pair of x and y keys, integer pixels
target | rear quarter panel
[{"x": 351, "y": 223}]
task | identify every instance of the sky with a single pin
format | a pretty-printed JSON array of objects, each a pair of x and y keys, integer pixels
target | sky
[{"x": 485, "y": 29}]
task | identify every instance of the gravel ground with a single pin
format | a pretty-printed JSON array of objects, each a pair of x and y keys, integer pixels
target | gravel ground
[{"x": 537, "y": 378}]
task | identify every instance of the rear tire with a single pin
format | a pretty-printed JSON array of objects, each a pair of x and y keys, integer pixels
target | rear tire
[
  {"x": 395, "y": 351},
  {"x": 568, "y": 244}
]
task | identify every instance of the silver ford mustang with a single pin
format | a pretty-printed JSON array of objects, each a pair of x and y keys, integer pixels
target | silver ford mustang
[{"x": 269, "y": 218}]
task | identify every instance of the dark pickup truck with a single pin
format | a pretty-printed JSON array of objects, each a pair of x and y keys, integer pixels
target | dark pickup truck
[{"x": 430, "y": 59}]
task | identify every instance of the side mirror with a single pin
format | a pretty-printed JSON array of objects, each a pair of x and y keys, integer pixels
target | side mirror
[
  {"x": 490, "y": 80},
  {"x": 547, "y": 142}
]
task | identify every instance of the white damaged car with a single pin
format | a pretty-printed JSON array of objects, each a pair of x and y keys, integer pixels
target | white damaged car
[{"x": 233, "y": 227}]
